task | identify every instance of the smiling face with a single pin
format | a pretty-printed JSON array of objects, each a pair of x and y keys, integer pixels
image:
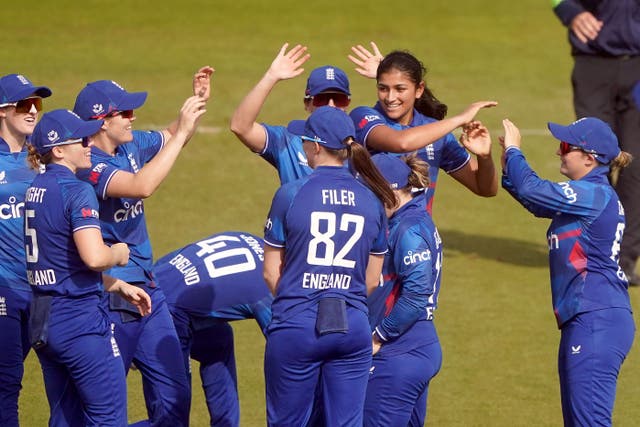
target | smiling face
[
  {"x": 75, "y": 156},
  {"x": 118, "y": 127},
  {"x": 575, "y": 164},
  {"x": 19, "y": 125},
  {"x": 397, "y": 94}
]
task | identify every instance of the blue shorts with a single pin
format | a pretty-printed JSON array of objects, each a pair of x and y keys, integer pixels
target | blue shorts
[{"x": 593, "y": 346}]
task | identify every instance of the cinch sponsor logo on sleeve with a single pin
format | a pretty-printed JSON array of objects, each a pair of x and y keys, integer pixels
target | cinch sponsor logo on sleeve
[
  {"x": 412, "y": 258},
  {"x": 569, "y": 193}
]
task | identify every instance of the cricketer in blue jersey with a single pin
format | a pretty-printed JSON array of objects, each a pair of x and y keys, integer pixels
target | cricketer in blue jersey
[
  {"x": 407, "y": 353},
  {"x": 320, "y": 258},
  {"x": 20, "y": 105},
  {"x": 588, "y": 287},
  {"x": 65, "y": 254},
  {"x": 207, "y": 284},
  {"x": 408, "y": 118},
  {"x": 279, "y": 145},
  {"x": 127, "y": 166}
]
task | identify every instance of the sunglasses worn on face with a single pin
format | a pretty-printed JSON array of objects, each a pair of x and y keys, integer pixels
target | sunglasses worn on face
[
  {"x": 24, "y": 105},
  {"x": 125, "y": 114},
  {"x": 340, "y": 100},
  {"x": 566, "y": 148}
]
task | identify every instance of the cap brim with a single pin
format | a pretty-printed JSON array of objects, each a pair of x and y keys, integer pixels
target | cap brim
[
  {"x": 561, "y": 133},
  {"x": 41, "y": 91},
  {"x": 132, "y": 101},
  {"x": 87, "y": 129},
  {"x": 327, "y": 87}
]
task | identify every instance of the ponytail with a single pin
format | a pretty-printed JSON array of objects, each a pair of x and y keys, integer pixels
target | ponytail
[
  {"x": 419, "y": 176},
  {"x": 37, "y": 160},
  {"x": 360, "y": 162},
  {"x": 622, "y": 160}
]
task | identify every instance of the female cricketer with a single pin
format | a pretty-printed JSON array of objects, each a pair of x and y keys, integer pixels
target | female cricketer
[
  {"x": 209, "y": 283},
  {"x": 70, "y": 331},
  {"x": 127, "y": 167},
  {"x": 588, "y": 287},
  {"x": 320, "y": 259},
  {"x": 408, "y": 117},
  {"x": 407, "y": 353},
  {"x": 20, "y": 105},
  {"x": 279, "y": 145}
]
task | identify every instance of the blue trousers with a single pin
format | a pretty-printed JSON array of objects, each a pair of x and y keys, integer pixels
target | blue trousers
[
  {"x": 152, "y": 344},
  {"x": 210, "y": 342},
  {"x": 398, "y": 386},
  {"x": 83, "y": 372},
  {"x": 592, "y": 348},
  {"x": 14, "y": 336},
  {"x": 297, "y": 359}
]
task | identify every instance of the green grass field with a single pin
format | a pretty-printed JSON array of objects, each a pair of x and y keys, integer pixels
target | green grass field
[{"x": 495, "y": 319}]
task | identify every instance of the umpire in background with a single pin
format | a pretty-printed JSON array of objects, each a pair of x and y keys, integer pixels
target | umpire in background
[{"x": 605, "y": 45}]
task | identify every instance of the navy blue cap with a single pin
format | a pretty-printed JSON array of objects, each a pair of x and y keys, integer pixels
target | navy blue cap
[
  {"x": 61, "y": 127},
  {"x": 102, "y": 97},
  {"x": 327, "y": 78},
  {"x": 591, "y": 135},
  {"x": 329, "y": 127},
  {"x": 16, "y": 87},
  {"x": 393, "y": 168}
]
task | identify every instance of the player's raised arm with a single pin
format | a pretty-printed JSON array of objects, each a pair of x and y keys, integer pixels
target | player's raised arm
[{"x": 286, "y": 65}]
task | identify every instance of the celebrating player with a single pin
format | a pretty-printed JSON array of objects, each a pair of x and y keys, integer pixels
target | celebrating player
[
  {"x": 20, "y": 105},
  {"x": 128, "y": 166},
  {"x": 408, "y": 117},
  {"x": 207, "y": 284},
  {"x": 83, "y": 374},
  {"x": 320, "y": 258},
  {"x": 588, "y": 287},
  {"x": 406, "y": 347},
  {"x": 281, "y": 146}
]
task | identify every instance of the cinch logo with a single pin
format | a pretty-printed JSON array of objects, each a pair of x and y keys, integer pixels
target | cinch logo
[
  {"x": 11, "y": 210},
  {"x": 412, "y": 258},
  {"x": 569, "y": 193},
  {"x": 268, "y": 224},
  {"x": 129, "y": 211},
  {"x": 553, "y": 241}
]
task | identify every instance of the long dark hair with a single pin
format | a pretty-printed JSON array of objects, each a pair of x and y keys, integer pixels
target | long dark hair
[{"x": 408, "y": 64}]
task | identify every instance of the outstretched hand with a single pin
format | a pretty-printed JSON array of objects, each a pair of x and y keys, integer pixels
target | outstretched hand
[
  {"x": 472, "y": 110},
  {"x": 287, "y": 65},
  {"x": 202, "y": 82},
  {"x": 476, "y": 138},
  {"x": 366, "y": 61}
]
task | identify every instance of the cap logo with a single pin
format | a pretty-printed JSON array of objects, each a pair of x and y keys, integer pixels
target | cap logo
[
  {"x": 97, "y": 109},
  {"x": 52, "y": 136},
  {"x": 22, "y": 79},
  {"x": 329, "y": 74}
]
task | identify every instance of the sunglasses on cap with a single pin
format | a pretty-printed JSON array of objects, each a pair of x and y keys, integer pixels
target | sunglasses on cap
[
  {"x": 84, "y": 141},
  {"x": 125, "y": 114},
  {"x": 566, "y": 148},
  {"x": 340, "y": 100},
  {"x": 24, "y": 105}
]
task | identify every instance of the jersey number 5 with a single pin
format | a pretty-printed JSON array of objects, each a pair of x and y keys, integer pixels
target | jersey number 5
[
  {"x": 31, "y": 250},
  {"x": 322, "y": 248}
]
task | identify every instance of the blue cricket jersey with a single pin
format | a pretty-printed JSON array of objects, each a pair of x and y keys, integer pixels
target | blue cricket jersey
[
  {"x": 402, "y": 308},
  {"x": 584, "y": 235},
  {"x": 219, "y": 277},
  {"x": 15, "y": 178},
  {"x": 283, "y": 150},
  {"x": 57, "y": 204},
  {"x": 320, "y": 222},
  {"x": 445, "y": 153},
  {"x": 122, "y": 218}
]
